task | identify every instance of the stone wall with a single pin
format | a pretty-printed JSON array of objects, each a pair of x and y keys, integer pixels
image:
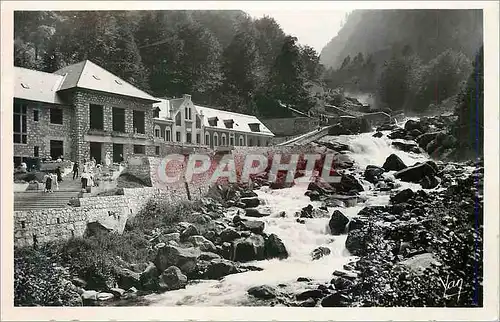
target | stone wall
[
  {"x": 291, "y": 126},
  {"x": 39, "y": 133}
]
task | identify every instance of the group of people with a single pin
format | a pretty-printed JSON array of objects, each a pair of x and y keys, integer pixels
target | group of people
[
  {"x": 52, "y": 179},
  {"x": 89, "y": 169}
]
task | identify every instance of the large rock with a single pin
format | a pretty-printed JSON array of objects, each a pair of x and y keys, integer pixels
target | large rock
[
  {"x": 397, "y": 134},
  {"x": 255, "y": 212},
  {"x": 184, "y": 258},
  {"x": 338, "y": 223},
  {"x": 250, "y": 202},
  {"x": 263, "y": 292},
  {"x": 373, "y": 173},
  {"x": 430, "y": 182},
  {"x": 127, "y": 278},
  {"x": 402, "y": 196},
  {"x": 417, "y": 172},
  {"x": 149, "y": 278},
  {"x": 249, "y": 249},
  {"x": 407, "y": 147},
  {"x": 356, "y": 242},
  {"x": 172, "y": 279},
  {"x": 229, "y": 234},
  {"x": 348, "y": 183},
  {"x": 204, "y": 244},
  {"x": 315, "y": 294},
  {"x": 355, "y": 223},
  {"x": 393, "y": 163},
  {"x": 274, "y": 247},
  {"x": 426, "y": 138},
  {"x": 255, "y": 226},
  {"x": 189, "y": 231},
  {"x": 335, "y": 300},
  {"x": 320, "y": 252},
  {"x": 419, "y": 263},
  {"x": 219, "y": 268},
  {"x": 411, "y": 125}
]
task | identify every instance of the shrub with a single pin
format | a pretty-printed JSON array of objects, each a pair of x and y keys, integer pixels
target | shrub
[{"x": 39, "y": 281}]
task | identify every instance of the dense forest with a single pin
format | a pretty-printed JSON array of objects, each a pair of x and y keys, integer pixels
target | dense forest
[
  {"x": 222, "y": 58},
  {"x": 412, "y": 60}
]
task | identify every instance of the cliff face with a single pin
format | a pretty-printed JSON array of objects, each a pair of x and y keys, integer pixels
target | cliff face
[{"x": 426, "y": 32}]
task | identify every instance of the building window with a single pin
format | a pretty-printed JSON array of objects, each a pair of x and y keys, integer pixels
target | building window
[
  {"x": 56, "y": 115},
  {"x": 178, "y": 119},
  {"x": 156, "y": 112},
  {"x": 223, "y": 140},
  {"x": 157, "y": 150},
  {"x": 258, "y": 142},
  {"x": 138, "y": 121},
  {"x": 207, "y": 139},
  {"x": 139, "y": 149},
  {"x": 198, "y": 138},
  {"x": 231, "y": 141},
  {"x": 188, "y": 137},
  {"x": 168, "y": 135},
  {"x": 36, "y": 151},
  {"x": 178, "y": 136},
  {"x": 241, "y": 141},
  {"x": 96, "y": 117},
  {"x": 56, "y": 149},
  {"x": 198, "y": 122},
  {"x": 216, "y": 139},
  {"x": 119, "y": 119},
  {"x": 36, "y": 115},
  {"x": 20, "y": 124},
  {"x": 157, "y": 131}
]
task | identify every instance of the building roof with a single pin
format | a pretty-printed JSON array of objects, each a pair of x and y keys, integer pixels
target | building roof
[
  {"x": 164, "y": 105},
  {"x": 38, "y": 86},
  {"x": 88, "y": 75},
  {"x": 241, "y": 121}
]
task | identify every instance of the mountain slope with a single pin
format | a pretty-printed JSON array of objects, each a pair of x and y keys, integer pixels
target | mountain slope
[{"x": 427, "y": 32}]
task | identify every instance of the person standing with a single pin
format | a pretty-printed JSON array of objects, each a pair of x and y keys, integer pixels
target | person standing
[
  {"x": 59, "y": 174},
  {"x": 75, "y": 170}
]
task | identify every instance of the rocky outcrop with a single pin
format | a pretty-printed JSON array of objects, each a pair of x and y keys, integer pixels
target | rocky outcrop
[
  {"x": 183, "y": 258},
  {"x": 393, "y": 163},
  {"x": 417, "y": 172},
  {"x": 337, "y": 223}
]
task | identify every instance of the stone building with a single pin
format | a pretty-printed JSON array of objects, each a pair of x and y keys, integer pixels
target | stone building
[{"x": 83, "y": 111}]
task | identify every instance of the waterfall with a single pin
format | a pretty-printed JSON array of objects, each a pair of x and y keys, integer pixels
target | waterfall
[{"x": 299, "y": 239}]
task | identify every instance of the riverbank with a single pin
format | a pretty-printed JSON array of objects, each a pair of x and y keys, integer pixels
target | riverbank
[{"x": 359, "y": 242}]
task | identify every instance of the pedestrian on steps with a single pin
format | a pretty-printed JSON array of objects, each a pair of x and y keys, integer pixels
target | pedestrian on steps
[{"x": 75, "y": 170}]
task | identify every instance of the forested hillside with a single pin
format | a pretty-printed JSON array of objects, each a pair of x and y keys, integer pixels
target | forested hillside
[
  {"x": 411, "y": 60},
  {"x": 222, "y": 58}
]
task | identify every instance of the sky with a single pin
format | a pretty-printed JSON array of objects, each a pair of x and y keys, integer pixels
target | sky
[{"x": 313, "y": 28}]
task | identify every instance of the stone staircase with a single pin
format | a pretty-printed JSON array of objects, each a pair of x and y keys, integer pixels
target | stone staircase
[{"x": 37, "y": 199}]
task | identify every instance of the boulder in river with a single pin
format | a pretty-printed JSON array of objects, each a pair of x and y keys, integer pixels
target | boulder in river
[
  {"x": 338, "y": 223},
  {"x": 417, "y": 172},
  {"x": 336, "y": 299},
  {"x": 256, "y": 212},
  {"x": 406, "y": 147},
  {"x": 402, "y": 196},
  {"x": 172, "y": 279},
  {"x": 249, "y": 249},
  {"x": 355, "y": 223},
  {"x": 255, "y": 226},
  {"x": 373, "y": 173},
  {"x": 219, "y": 268},
  {"x": 229, "y": 234},
  {"x": 378, "y": 135},
  {"x": 348, "y": 184},
  {"x": 275, "y": 248},
  {"x": 356, "y": 242},
  {"x": 263, "y": 292},
  {"x": 430, "y": 182},
  {"x": 320, "y": 252},
  {"x": 250, "y": 202},
  {"x": 393, "y": 163},
  {"x": 149, "y": 278},
  {"x": 183, "y": 258},
  {"x": 127, "y": 278}
]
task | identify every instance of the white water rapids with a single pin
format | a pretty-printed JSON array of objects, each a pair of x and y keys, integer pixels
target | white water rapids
[{"x": 300, "y": 239}]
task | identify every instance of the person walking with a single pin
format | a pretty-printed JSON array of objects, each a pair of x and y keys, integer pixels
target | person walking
[{"x": 75, "y": 170}]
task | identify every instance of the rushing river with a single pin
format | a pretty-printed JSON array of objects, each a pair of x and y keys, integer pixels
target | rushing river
[{"x": 299, "y": 239}]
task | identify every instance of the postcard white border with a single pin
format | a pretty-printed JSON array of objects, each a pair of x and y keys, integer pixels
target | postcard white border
[{"x": 491, "y": 122}]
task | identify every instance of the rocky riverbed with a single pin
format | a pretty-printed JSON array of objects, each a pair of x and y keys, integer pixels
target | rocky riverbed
[{"x": 398, "y": 230}]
